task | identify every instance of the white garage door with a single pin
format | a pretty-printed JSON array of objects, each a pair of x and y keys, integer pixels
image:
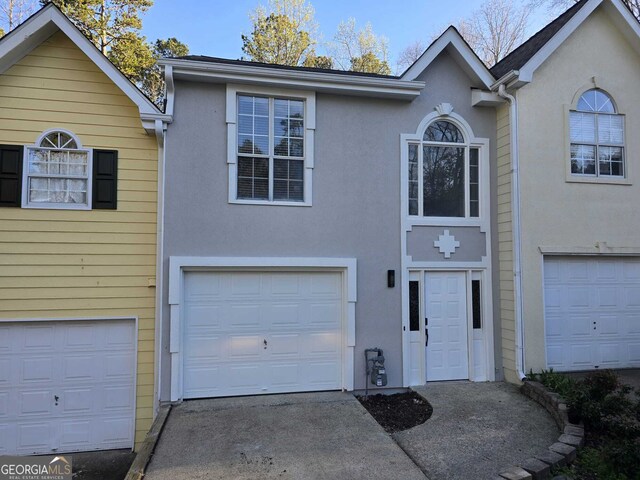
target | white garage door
[
  {"x": 261, "y": 332},
  {"x": 592, "y": 312},
  {"x": 66, "y": 386}
]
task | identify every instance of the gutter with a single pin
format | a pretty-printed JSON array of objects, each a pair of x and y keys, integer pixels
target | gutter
[
  {"x": 515, "y": 201},
  {"x": 277, "y": 77}
]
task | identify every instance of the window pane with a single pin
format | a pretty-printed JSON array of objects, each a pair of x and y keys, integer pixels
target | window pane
[
  {"x": 603, "y": 102},
  {"x": 474, "y": 182},
  {"x": 245, "y": 144},
  {"x": 476, "y": 303},
  {"x": 261, "y": 126},
  {"x": 253, "y": 178},
  {"x": 296, "y": 108},
  {"x": 610, "y": 129},
  {"x": 414, "y": 306},
  {"x": 610, "y": 161},
  {"x": 296, "y": 148},
  {"x": 442, "y": 131},
  {"x": 443, "y": 170},
  {"x": 288, "y": 180},
  {"x": 261, "y": 106},
  {"x": 57, "y": 190},
  {"x": 582, "y": 127},
  {"x": 245, "y": 105},
  {"x": 413, "y": 180},
  {"x": 583, "y": 159},
  {"x": 281, "y": 108},
  {"x": 245, "y": 124},
  {"x": 261, "y": 145},
  {"x": 281, "y": 147}
]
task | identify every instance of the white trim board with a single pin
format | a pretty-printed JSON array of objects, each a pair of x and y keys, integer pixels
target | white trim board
[
  {"x": 178, "y": 266},
  {"x": 462, "y": 53},
  {"x": 47, "y": 21},
  {"x": 338, "y": 83},
  {"x": 616, "y": 10}
]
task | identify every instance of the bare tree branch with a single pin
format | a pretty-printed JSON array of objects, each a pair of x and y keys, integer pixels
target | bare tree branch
[{"x": 495, "y": 29}]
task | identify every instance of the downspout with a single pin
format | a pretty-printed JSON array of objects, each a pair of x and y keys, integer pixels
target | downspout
[
  {"x": 160, "y": 131},
  {"x": 161, "y": 136},
  {"x": 515, "y": 201}
]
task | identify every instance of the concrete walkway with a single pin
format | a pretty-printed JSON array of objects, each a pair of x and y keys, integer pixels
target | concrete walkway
[
  {"x": 476, "y": 430},
  {"x": 301, "y": 436}
]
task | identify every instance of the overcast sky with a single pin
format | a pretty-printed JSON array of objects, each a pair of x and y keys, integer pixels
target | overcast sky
[{"x": 213, "y": 27}]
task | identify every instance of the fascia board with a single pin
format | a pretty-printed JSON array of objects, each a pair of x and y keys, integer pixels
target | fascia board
[{"x": 318, "y": 81}]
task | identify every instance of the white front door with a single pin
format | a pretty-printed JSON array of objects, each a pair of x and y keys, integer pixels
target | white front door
[
  {"x": 248, "y": 333},
  {"x": 447, "y": 351},
  {"x": 67, "y": 386}
]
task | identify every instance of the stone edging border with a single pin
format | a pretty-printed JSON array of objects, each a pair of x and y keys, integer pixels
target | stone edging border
[
  {"x": 140, "y": 462},
  {"x": 561, "y": 453}
]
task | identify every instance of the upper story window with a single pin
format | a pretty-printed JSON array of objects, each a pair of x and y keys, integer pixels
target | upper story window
[
  {"x": 596, "y": 136},
  {"x": 270, "y": 152},
  {"x": 57, "y": 172},
  {"x": 270, "y": 149},
  {"x": 444, "y": 173}
]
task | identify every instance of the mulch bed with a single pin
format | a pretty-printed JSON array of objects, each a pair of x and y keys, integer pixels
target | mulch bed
[{"x": 399, "y": 411}]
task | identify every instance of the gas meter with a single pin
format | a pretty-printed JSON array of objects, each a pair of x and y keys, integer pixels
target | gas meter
[{"x": 376, "y": 371}]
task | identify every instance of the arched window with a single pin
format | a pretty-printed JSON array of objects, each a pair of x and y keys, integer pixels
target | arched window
[
  {"x": 443, "y": 173},
  {"x": 597, "y": 136},
  {"x": 57, "y": 172}
]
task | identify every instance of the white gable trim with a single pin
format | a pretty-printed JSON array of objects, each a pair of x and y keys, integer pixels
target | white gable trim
[
  {"x": 40, "y": 26},
  {"x": 475, "y": 67},
  {"x": 612, "y": 7}
]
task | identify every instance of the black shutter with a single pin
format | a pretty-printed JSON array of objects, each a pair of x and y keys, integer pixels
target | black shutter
[
  {"x": 11, "y": 175},
  {"x": 105, "y": 179}
]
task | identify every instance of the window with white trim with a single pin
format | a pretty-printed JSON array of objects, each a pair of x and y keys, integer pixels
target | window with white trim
[
  {"x": 270, "y": 149},
  {"x": 57, "y": 172},
  {"x": 596, "y": 132},
  {"x": 444, "y": 173}
]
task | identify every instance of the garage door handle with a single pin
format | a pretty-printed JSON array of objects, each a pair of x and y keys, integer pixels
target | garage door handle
[
  {"x": 265, "y": 343},
  {"x": 56, "y": 398}
]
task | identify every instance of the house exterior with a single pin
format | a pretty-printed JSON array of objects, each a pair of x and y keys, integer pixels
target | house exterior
[
  {"x": 569, "y": 135},
  {"x": 291, "y": 198},
  {"x": 78, "y": 226}
]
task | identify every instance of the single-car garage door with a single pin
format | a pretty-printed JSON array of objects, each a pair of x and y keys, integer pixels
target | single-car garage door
[
  {"x": 592, "y": 312},
  {"x": 66, "y": 386},
  {"x": 249, "y": 333}
]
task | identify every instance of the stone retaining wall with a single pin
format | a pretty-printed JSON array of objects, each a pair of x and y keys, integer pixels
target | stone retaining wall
[{"x": 561, "y": 453}]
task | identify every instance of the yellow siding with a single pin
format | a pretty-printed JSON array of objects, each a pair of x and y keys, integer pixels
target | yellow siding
[
  {"x": 65, "y": 264},
  {"x": 505, "y": 245}
]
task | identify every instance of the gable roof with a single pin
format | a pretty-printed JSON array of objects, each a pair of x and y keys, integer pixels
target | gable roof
[
  {"x": 463, "y": 54},
  {"x": 48, "y": 20},
  {"x": 521, "y": 55},
  {"x": 518, "y": 67}
]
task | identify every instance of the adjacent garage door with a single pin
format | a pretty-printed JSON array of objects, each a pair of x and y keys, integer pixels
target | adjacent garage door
[
  {"x": 66, "y": 386},
  {"x": 249, "y": 333},
  {"x": 592, "y": 312}
]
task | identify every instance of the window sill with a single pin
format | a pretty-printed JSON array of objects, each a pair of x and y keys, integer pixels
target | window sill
[
  {"x": 274, "y": 203},
  {"x": 445, "y": 221},
  {"x": 56, "y": 206},
  {"x": 604, "y": 181}
]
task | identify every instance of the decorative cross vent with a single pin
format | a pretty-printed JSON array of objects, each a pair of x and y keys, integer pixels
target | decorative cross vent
[{"x": 447, "y": 244}]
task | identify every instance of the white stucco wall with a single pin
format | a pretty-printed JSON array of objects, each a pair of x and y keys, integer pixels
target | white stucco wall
[{"x": 555, "y": 212}]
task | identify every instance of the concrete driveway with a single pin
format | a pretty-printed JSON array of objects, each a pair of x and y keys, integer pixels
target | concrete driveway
[
  {"x": 476, "y": 430},
  {"x": 301, "y": 436}
]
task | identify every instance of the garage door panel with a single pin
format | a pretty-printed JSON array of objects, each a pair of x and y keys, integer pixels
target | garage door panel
[
  {"x": 36, "y": 402},
  {"x": 298, "y": 314},
  {"x": 37, "y": 369},
  {"x": 206, "y": 317},
  {"x": 35, "y": 437},
  {"x": 79, "y": 368},
  {"x": 592, "y": 312},
  {"x": 39, "y": 338},
  {"x": 204, "y": 347},
  {"x": 634, "y": 352}
]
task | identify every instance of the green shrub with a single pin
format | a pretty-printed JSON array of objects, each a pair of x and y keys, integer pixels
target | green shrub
[{"x": 610, "y": 412}]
